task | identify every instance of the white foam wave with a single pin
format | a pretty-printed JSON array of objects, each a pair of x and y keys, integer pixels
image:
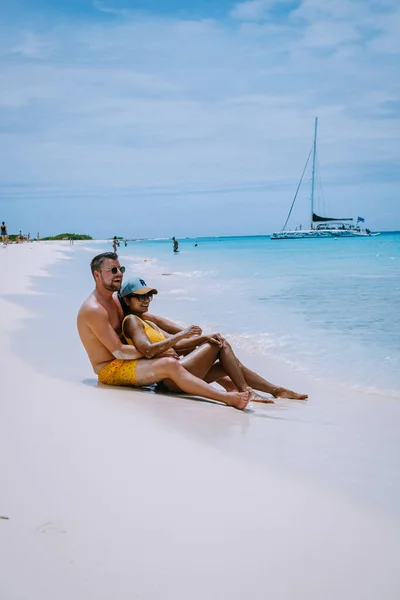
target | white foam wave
[
  {"x": 138, "y": 259},
  {"x": 255, "y": 343},
  {"x": 189, "y": 274}
]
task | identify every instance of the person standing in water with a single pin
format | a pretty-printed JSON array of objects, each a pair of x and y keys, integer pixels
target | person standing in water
[
  {"x": 176, "y": 244},
  {"x": 4, "y": 234},
  {"x": 114, "y": 244}
]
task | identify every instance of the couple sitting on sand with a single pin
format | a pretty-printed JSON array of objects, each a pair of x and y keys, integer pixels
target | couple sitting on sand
[{"x": 128, "y": 346}]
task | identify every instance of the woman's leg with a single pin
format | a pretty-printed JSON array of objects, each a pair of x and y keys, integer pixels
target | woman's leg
[
  {"x": 253, "y": 380},
  {"x": 169, "y": 369},
  {"x": 200, "y": 361},
  {"x": 232, "y": 367},
  {"x": 262, "y": 385}
]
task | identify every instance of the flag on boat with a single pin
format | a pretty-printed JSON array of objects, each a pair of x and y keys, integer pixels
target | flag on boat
[{"x": 360, "y": 219}]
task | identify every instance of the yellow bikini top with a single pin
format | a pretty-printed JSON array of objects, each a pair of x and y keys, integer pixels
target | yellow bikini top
[{"x": 151, "y": 330}]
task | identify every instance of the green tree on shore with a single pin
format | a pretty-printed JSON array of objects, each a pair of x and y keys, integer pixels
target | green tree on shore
[{"x": 67, "y": 236}]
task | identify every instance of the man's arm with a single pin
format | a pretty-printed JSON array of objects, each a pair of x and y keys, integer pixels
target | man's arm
[{"x": 99, "y": 323}]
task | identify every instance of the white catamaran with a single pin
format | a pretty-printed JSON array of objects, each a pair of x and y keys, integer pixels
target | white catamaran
[{"x": 320, "y": 227}]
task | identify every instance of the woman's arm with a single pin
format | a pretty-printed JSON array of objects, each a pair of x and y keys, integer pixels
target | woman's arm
[
  {"x": 170, "y": 327},
  {"x": 192, "y": 343},
  {"x": 164, "y": 323},
  {"x": 134, "y": 330}
]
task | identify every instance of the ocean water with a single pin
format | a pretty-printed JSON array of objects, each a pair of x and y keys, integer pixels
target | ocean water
[{"x": 329, "y": 307}]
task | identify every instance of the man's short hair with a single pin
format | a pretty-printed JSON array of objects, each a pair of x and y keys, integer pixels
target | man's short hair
[{"x": 98, "y": 260}]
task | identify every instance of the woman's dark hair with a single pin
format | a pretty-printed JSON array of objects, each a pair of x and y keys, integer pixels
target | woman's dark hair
[
  {"x": 123, "y": 304},
  {"x": 98, "y": 260}
]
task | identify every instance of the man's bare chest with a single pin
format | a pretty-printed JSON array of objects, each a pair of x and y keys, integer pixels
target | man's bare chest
[{"x": 115, "y": 319}]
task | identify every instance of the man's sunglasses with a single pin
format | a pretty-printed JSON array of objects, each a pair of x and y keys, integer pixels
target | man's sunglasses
[
  {"x": 114, "y": 270},
  {"x": 142, "y": 297}
]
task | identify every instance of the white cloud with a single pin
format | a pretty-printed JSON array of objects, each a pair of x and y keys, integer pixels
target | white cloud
[
  {"x": 102, "y": 7},
  {"x": 324, "y": 34},
  {"x": 253, "y": 10},
  {"x": 388, "y": 39},
  {"x": 32, "y": 46}
]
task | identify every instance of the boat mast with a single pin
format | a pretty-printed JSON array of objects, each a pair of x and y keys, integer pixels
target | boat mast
[{"x": 313, "y": 170}]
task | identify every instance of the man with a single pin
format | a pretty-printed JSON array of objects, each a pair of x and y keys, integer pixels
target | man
[
  {"x": 176, "y": 244},
  {"x": 115, "y": 363},
  {"x": 99, "y": 321}
]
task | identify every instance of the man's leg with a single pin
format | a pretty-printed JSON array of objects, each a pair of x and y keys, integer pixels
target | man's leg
[{"x": 170, "y": 370}]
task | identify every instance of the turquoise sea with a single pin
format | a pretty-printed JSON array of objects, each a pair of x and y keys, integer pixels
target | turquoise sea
[{"x": 329, "y": 307}]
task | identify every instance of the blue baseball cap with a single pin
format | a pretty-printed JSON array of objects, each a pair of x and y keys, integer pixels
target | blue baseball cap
[{"x": 135, "y": 285}]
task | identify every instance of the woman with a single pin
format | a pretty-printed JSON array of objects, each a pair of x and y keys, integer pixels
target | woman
[{"x": 209, "y": 357}]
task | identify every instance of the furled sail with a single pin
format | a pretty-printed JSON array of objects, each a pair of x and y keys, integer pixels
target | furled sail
[{"x": 317, "y": 219}]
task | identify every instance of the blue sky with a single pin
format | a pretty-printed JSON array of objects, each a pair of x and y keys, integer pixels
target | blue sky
[{"x": 159, "y": 118}]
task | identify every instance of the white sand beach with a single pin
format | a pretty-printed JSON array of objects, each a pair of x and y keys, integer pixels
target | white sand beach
[{"x": 115, "y": 494}]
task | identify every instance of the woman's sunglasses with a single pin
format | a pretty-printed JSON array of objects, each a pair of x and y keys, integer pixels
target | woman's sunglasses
[
  {"x": 142, "y": 297},
  {"x": 114, "y": 270}
]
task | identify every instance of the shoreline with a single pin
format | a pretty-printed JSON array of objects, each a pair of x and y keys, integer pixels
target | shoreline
[{"x": 172, "y": 497}]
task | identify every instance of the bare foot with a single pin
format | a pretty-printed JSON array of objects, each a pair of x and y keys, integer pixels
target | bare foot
[
  {"x": 238, "y": 399},
  {"x": 281, "y": 392},
  {"x": 256, "y": 398}
]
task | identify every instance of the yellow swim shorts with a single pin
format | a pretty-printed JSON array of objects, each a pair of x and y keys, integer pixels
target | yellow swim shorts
[{"x": 119, "y": 372}]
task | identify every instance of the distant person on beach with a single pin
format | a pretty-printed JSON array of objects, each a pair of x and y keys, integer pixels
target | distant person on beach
[
  {"x": 4, "y": 234},
  {"x": 115, "y": 363},
  {"x": 176, "y": 245},
  {"x": 209, "y": 357},
  {"x": 20, "y": 237},
  {"x": 38, "y": 237},
  {"x": 114, "y": 244}
]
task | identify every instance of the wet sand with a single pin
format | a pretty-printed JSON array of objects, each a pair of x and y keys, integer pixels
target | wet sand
[{"x": 118, "y": 493}]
